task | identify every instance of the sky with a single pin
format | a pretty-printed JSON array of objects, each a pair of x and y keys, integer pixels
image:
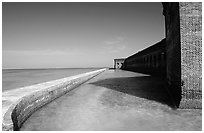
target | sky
[{"x": 77, "y": 35}]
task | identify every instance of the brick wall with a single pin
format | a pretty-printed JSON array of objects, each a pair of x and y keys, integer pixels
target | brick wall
[
  {"x": 118, "y": 63},
  {"x": 191, "y": 53},
  {"x": 184, "y": 42},
  {"x": 173, "y": 52},
  {"x": 150, "y": 60}
]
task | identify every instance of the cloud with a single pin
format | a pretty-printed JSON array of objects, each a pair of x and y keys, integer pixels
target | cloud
[
  {"x": 117, "y": 49},
  {"x": 46, "y": 52},
  {"x": 113, "y": 49},
  {"x": 117, "y": 40}
]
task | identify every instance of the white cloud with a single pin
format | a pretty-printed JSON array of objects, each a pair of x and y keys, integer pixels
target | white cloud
[
  {"x": 46, "y": 52},
  {"x": 117, "y": 49},
  {"x": 114, "y": 41},
  {"x": 114, "y": 46},
  {"x": 113, "y": 49}
]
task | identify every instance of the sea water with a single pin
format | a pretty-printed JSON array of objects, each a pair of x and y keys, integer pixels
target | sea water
[{"x": 17, "y": 78}]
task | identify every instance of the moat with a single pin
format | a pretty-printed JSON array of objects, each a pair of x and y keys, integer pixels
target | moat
[{"x": 115, "y": 100}]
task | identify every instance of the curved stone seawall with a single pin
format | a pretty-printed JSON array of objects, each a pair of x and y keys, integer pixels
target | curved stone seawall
[{"x": 19, "y": 104}]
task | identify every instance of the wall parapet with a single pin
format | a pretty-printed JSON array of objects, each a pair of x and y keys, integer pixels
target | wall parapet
[{"x": 19, "y": 104}]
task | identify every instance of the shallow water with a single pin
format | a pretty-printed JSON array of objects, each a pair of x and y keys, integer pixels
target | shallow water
[{"x": 15, "y": 78}]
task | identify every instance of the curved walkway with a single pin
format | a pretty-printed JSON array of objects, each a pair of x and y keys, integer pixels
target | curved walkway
[{"x": 115, "y": 100}]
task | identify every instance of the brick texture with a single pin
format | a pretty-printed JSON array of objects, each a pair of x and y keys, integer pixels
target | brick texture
[
  {"x": 191, "y": 54},
  {"x": 184, "y": 52}
]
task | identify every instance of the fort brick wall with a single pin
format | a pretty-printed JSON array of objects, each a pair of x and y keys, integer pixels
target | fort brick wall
[
  {"x": 118, "y": 63},
  {"x": 184, "y": 55},
  {"x": 191, "y": 53},
  {"x": 173, "y": 52},
  {"x": 148, "y": 61}
]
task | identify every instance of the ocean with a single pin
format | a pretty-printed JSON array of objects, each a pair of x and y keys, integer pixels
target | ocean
[{"x": 17, "y": 78}]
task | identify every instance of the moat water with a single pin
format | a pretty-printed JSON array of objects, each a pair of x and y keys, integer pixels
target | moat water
[
  {"x": 115, "y": 101},
  {"x": 16, "y": 78}
]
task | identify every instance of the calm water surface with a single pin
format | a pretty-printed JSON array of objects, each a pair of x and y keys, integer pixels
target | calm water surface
[{"x": 15, "y": 78}]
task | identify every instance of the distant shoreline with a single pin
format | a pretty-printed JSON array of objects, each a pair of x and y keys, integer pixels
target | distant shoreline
[{"x": 52, "y": 68}]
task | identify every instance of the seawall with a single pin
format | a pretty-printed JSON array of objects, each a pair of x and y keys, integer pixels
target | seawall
[{"x": 19, "y": 104}]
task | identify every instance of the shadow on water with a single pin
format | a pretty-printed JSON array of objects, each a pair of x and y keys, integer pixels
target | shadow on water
[{"x": 148, "y": 87}]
